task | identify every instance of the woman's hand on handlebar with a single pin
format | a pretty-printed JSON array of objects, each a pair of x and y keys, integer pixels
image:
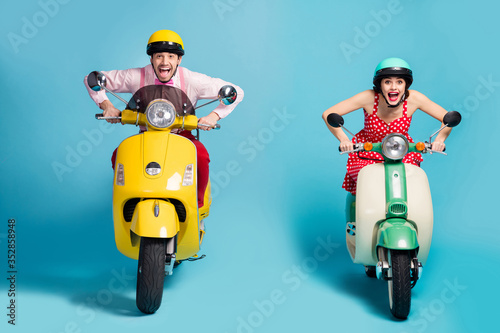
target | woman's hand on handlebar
[
  {"x": 438, "y": 146},
  {"x": 346, "y": 145}
]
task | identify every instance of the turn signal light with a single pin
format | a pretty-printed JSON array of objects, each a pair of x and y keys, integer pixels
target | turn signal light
[
  {"x": 188, "y": 176},
  {"x": 420, "y": 146},
  {"x": 120, "y": 175},
  {"x": 368, "y": 146}
]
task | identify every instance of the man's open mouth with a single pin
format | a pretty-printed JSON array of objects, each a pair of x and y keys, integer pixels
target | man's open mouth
[
  {"x": 164, "y": 71},
  {"x": 393, "y": 96}
]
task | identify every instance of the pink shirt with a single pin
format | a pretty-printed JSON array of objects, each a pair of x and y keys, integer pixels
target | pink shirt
[{"x": 196, "y": 85}]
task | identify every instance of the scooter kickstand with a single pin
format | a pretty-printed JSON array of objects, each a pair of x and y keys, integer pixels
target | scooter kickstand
[{"x": 196, "y": 257}]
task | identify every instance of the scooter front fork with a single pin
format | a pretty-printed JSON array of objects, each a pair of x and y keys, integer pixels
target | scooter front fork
[
  {"x": 383, "y": 266},
  {"x": 169, "y": 264},
  {"x": 170, "y": 255},
  {"x": 416, "y": 270}
]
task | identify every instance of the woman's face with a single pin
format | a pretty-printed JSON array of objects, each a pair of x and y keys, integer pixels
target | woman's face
[{"x": 393, "y": 89}]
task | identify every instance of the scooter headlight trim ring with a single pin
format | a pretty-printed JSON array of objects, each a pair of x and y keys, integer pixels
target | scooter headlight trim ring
[
  {"x": 395, "y": 146},
  {"x": 160, "y": 113}
]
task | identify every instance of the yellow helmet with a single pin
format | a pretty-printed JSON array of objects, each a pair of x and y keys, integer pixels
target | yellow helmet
[{"x": 165, "y": 41}]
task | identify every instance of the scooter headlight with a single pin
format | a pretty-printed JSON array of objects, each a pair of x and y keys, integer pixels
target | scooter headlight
[
  {"x": 160, "y": 113},
  {"x": 395, "y": 146}
]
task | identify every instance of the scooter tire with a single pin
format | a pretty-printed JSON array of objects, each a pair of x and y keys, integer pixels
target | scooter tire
[
  {"x": 400, "y": 284},
  {"x": 150, "y": 274}
]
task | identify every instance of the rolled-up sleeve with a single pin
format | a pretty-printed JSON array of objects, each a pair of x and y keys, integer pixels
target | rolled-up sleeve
[
  {"x": 207, "y": 87},
  {"x": 118, "y": 81}
]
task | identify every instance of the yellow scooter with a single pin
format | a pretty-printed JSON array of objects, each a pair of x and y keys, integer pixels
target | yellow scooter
[{"x": 155, "y": 205}]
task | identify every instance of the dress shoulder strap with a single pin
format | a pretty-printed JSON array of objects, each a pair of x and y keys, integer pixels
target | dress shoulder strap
[{"x": 375, "y": 104}]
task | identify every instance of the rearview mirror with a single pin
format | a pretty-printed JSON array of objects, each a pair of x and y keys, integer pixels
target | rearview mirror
[
  {"x": 227, "y": 95},
  {"x": 335, "y": 120},
  {"x": 452, "y": 119},
  {"x": 96, "y": 81}
]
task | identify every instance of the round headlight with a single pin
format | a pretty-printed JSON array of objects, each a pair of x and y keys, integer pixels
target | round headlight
[
  {"x": 394, "y": 146},
  {"x": 160, "y": 113}
]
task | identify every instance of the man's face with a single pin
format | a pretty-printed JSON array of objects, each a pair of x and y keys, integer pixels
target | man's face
[{"x": 165, "y": 64}]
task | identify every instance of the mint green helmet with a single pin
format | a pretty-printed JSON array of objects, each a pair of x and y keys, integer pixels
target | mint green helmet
[{"x": 392, "y": 67}]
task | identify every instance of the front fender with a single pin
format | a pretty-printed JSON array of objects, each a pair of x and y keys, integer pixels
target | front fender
[
  {"x": 397, "y": 234},
  {"x": 146, "y": 224}
]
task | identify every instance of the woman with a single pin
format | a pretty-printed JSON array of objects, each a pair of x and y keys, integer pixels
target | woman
[{"x": 388, "y": 108}]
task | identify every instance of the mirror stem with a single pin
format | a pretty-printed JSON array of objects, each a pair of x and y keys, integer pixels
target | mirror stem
[
  {"x": 112, "y": 93},
  {"x": 206, "y": 103},
  {"x": 345, "y": 129},
  {"x": 439, "y": 130}
]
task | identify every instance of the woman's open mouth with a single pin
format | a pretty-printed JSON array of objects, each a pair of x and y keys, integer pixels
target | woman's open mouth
[{"x": 393, "y": 96}]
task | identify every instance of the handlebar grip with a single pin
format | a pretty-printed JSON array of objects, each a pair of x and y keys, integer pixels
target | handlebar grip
[
  {"x": 216, "y": 126},
  {"x": 355, "y": 146},
  {"x": 429, "y": 146}
]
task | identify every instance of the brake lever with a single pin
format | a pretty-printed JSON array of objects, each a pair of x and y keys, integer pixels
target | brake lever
[{"x": 435, "y": 151}]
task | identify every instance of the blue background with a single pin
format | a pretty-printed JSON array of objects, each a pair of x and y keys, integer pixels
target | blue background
[{"x": 275, "y": 167}]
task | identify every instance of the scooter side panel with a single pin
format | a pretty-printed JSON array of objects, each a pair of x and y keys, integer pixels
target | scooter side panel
[
  {"x": 420, "y": 208},
  {"x": 370, "y": 209}
]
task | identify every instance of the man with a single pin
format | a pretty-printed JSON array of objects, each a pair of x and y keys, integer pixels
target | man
[{"x": 165, "y": 48}]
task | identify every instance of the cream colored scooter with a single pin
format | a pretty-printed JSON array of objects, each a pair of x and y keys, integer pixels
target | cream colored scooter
[{"x": 389, "y": 221}]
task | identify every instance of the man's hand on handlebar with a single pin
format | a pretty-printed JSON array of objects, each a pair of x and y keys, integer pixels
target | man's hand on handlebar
[
  {"x": 210, "y": 120},
  {"x": 109, "y": 110}
]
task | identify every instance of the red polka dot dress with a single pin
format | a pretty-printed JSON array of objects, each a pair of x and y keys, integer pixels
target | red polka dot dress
[{"x": 376, "y": 130}]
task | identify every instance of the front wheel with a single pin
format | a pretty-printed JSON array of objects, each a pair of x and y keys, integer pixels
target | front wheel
[
  {"x": 399, "y": 283},
  {"x": 150, "y": 274}
]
